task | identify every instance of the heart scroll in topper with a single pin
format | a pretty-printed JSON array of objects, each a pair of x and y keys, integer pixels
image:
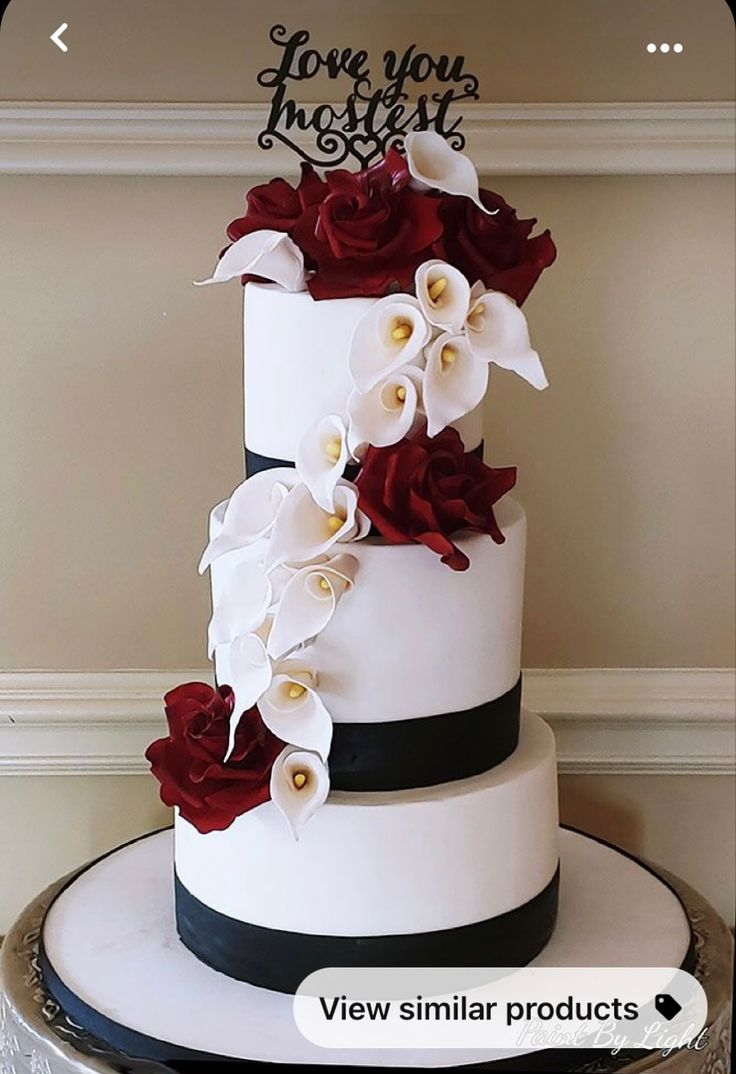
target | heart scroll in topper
[{"x": 371, "y": 119}]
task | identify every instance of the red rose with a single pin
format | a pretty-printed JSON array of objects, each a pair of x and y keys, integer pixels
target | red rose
[
  {"x": 495, "y": 249},
  {"x": 189, "y": 762},
  {"x": 425, "y": 489},
  {"x": 369, "y": 233},
  {"x": 277, "y": 205}
]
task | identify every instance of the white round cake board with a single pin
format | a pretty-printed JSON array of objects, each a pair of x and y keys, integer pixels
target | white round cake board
[{"x": 111, "y": 938}]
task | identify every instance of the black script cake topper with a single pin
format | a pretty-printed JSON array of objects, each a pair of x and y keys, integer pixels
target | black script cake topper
[{"x": 372, "y": 117}]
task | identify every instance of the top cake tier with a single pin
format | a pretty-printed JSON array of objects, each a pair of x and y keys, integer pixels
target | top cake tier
[{"x": 296, "y": 368}]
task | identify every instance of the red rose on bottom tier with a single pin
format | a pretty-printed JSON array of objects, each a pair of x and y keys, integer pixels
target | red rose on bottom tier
[
  {"x": 423, "y": 490},
  {"x": 189, "y": 763}
]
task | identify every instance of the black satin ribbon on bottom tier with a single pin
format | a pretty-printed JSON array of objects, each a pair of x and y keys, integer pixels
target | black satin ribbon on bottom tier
[
  {"x": 399, "y": 754},
  {"x": 280, "y": 960}
]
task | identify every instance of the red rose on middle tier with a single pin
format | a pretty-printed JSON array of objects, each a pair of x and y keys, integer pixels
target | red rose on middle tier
[
  {"x": 369, "y": 233},
  {"x": 425, "y": 489}
]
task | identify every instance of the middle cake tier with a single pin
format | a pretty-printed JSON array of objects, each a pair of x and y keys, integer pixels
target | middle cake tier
[
  {"x": 413, "y": 639},
  {"x": 419, "y": 666}
]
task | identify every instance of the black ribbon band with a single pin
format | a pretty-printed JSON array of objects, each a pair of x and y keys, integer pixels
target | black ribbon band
[
  {"x": 399, "y": 754},
  {"x": 280, "y": 960},
  {"x": 254, "y": 462}
]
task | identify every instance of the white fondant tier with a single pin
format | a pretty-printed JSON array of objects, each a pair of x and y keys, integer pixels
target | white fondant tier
[
  {"x": 296, "y": 367},
  {"x": 376, "y": 864},
  {"x": 413, "y": 638}
]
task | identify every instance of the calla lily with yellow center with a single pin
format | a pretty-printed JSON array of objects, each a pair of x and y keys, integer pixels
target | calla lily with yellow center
[
  {"x": 455, "y": 381},
  {"x": 444, "y": 295},
  {"x": 392, "y": 334},
  {"x": 497, "y": 332},
  {"x": 386, "y": 413},
  {"x": 300, "y": 784},
  {"x": 292, "y": 709},
  {"x": 303, "y": 530},
  {"x": 308, "y": 602},
  {"x": 321, "y": 457}
]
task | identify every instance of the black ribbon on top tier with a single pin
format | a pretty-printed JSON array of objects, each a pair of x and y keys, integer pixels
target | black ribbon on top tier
[
  {"x": 280, "y": 960},
  {"x": 398, "y": 754},
  {"x": 255, "y": 463}
]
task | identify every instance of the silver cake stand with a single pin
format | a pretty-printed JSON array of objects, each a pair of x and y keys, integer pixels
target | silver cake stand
[{"x": 37, "y": 1037}]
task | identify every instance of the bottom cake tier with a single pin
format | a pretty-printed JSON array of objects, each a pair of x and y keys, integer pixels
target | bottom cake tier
[{"x": 463, "y": 873}]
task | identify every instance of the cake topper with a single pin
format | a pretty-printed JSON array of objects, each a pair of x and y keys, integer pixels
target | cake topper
[{"x": 373, "y": 117}]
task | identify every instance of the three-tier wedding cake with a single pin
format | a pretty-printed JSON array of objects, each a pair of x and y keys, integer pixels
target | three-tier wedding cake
[{"x": 361, "y": 787}]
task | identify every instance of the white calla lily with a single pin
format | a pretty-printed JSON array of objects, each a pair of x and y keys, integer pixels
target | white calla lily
[
  {"x": 321, "y": 456},
  {"x": 303, "y": 530},
  {"x": 270, "y": 254},
  {"x": 386, "y": 413},
  {"x": 497, "y": 332},
  {"x": 390, "y": 335},
  {"x": 242, "y": 606},
  {"x": 292, "y": 709},
  {"x": 434, "y": 165},
  {"x": 250, "y": 512},
  {"x": 244, "y": 665},
  {"x": 308, "y": 603},
  {"x": 279, "y": 577},
  {"x": 300, "y": 784},
  {"x": 455, "y": 381},
  {"x": 444, "y": 295}
]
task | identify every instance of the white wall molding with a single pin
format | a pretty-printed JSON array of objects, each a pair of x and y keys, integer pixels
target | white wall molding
[
  {"x": 639, "y": 720},
  {"x": 66, "y": 138},
  {"x": 626, "y": 721}
]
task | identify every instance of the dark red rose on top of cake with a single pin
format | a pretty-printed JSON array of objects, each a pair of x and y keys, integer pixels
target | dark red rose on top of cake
[
  {"x": 497, "y": 249},
  {"x": 424, "y": 489},
  {"x": 189, "y": 763},
  {"x": 369, "y": 233},
  {"x": 365, "y": 233},
  {"x": 277, "y": 205}
]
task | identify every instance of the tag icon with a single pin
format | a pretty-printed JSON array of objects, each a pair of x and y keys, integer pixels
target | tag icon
[{"x": 667, "y": 1006}]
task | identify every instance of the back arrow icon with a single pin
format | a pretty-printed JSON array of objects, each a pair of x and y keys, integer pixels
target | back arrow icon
[{"x": 56, "y": 37}]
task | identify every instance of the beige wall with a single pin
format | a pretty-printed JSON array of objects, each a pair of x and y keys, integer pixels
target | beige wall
[{"x": 120, "y": 385}]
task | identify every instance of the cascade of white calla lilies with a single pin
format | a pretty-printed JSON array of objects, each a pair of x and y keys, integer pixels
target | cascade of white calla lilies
[
  {"x": 413, "y": 359},
  {"x": 288, "y": 571}
]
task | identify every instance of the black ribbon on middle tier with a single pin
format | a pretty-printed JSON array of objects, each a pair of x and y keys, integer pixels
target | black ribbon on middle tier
[{"x": 400, "y": 754}]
